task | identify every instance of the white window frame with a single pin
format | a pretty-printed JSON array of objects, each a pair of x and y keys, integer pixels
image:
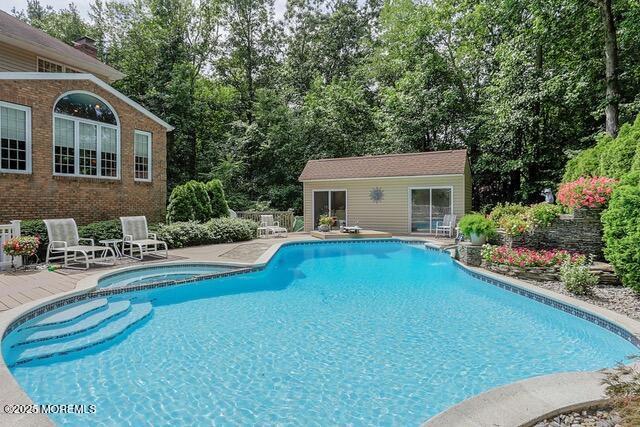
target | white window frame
[
  {"x": 329, "y": 190},
  {"x": 64, "y": 67},
  {"x": 433, "y": 187},
  {"x": 76, "y": 142},
  {"x": 27, "y": 134},
  {"x": 150, "y": 139}
]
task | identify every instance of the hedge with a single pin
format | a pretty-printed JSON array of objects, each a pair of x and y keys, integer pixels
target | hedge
[
  {"x": 621, "y": 225},
  {"x": 217, "y": 230}
]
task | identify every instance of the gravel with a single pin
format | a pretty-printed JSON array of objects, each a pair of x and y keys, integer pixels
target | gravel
[
  {"x": 592, "y": 418},
  {"x": 617, "y": 298}
]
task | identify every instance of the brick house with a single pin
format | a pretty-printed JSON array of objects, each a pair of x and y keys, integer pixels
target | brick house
[{"x": 70, "y": 144}]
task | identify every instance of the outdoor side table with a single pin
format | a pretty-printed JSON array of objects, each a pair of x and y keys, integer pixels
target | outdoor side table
[{"x": 113, "y": 243}]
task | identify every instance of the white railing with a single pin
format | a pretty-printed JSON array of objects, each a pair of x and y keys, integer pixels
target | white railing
[{"x": 8, "y": 231}]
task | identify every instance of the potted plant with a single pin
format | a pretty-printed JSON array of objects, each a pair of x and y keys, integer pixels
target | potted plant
[
  {"x": 24, "y": 246},
  {"x": 477, "y": 228},
  {"x": 325, "y": 223}
]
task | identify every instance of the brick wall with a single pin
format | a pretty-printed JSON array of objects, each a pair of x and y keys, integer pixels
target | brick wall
[
  {"x": 580, "y": 232},
  {"x": 42, "y": 195}
]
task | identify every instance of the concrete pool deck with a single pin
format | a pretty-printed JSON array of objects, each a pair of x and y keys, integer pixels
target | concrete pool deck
[{"x": 518, "y": 403}]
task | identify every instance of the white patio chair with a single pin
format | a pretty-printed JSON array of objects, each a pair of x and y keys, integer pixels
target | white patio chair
[
  {"x": 272, "y": 226},
  {"x": 446, "y": 226},
  {"x": 65, "y": 242},
  {"x": 136, "y": 235}
]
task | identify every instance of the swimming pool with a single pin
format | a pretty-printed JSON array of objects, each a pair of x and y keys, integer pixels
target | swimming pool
[
  {"x": 160, "y": 273},
  {"x": 382, "y": 333}
]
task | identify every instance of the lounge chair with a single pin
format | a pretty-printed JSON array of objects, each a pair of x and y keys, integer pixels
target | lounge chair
[
  {"x": 446, "y": 226},
  {"x": 267, "y": 222},
  {"x": 64, "y": 243},
  {"x": 136, "y": 235}
]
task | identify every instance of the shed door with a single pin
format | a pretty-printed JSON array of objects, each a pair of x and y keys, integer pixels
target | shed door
[{"x": 428, "y": 208}]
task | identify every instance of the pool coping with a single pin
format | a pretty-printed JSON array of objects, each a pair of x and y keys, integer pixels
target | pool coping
[{"x": 486, "y": 408}]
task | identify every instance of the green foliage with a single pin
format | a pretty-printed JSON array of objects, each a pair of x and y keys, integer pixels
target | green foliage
[
  {"x": 189, "y": 202},
  {"x": 217, "y": 230},
  {"x": 577, "y": 278},
  {"x": 505, "y": 210},
  {"x": 101, "y": 230},
  {"x": 610, "y": 157},
  {"x": 622, "y": 231},
  {"x": 477, "y": 224},
  {"x": 227, "y": 230},
  {"x": 215, "y": 192},
  {"x": 182, "y": 234},
  {"x": 543, "y": 214}
]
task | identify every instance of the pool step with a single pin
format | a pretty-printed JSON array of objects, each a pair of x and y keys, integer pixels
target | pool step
[
  {"x": 71, "y": 314},
  {"x": 110, "y": 330},
  {"x": 85, "y": 324}
]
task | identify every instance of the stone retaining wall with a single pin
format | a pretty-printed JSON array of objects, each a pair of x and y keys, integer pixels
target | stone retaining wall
[{"x": 579, "y": 232}]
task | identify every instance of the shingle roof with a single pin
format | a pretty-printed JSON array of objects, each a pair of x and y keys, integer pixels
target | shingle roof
[
  {"x": 14, "y": 31},
  {"x": 413, "y": 164}
]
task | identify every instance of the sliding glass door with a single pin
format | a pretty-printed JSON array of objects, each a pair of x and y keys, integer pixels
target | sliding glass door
[
  {"x": 329, "y": 202},
  {"x": 428, "y": 207}
]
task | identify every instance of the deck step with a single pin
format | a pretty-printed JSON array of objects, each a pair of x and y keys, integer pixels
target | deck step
[
  {"x": 110, "y": 330},
  {"x": 87, "y": 323},
  {"x": 67, "y": 315}
]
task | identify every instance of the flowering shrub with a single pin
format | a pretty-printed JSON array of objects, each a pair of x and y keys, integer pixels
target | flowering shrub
[
  {"x": 577, "y": 278},
  {"x": 24, "y": 245},
  {"x": 522, "y": 257},
  {"x": 591, "y": 192}
]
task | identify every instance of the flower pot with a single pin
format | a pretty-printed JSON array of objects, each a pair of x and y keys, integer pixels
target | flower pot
[
  {"x": 324, "y": 228},
  {"x": 478, "y": 239}
]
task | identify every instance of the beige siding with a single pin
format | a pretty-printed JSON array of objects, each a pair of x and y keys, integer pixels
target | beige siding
[
  {"x": 468, "y": 188},
  {"x": 392, "y": 213},
  {"x": 15, "y": 59}
]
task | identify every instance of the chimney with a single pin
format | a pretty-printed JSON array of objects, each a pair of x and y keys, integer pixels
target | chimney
[{"x": 86, "y": 45}]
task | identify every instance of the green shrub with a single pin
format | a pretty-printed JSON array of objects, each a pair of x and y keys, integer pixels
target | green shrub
[
  {"x": 621, "y": 223},
  {"x": 508, "y": 209},
  {"x": 189, "y": 202},
  {"x": 101, "y": 230},
  {"x": 610, "y": 157},
  {"x": 577, "y": 278},
  {"x": 181, "y": 234},
  {"x": 215, "y": 191},
  {"x": 227, "y": 230},
  {"x": 217, "y": 230},
  {"x": 618, "y": 154},
  {"x": 543, "y": 214},
  {"x": 477, "y": 224}
]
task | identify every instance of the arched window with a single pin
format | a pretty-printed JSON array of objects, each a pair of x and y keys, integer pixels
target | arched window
[{"x": 86, "y": 137}]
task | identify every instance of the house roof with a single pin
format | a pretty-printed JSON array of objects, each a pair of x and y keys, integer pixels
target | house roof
[
  {"x": 452, "y": 162},
  {"x": 22, "y": 35},
  {"x": 91, "y": 78}
]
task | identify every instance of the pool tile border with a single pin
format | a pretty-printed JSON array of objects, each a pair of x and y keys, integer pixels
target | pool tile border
[{"x": 503, "y": 284}]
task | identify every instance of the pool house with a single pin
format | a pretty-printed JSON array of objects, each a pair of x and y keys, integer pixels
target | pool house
[{"x": 397, "y": 193}]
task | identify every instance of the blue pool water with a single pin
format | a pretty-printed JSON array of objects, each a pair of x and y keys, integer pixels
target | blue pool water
[
  {"x": 381, "y": 333},
  {"x": 155, "y": 274}
]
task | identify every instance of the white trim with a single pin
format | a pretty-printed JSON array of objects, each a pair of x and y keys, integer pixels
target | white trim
[
  {"x": 150, "y": 146},
  {"x": 27, "y": 135},
  {"x": 91, "y": 78},
  {"x": 379, "y": 177},
  {"x": 76, "y": 143},
  {"x": 435, "y": 187},
  {"x": 329, "y": 190}
]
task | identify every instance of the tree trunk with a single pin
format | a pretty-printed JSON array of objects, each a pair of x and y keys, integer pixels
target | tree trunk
[{"x": 611, "y": 62}]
